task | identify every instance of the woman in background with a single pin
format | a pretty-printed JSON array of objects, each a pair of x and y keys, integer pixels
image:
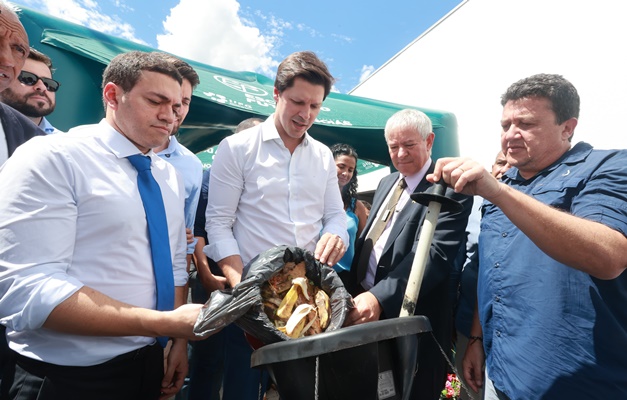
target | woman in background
[{"x": 356, "y": 213}]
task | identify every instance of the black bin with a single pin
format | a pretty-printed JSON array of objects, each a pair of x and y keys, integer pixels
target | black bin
[{"x": 372, "y": 361}]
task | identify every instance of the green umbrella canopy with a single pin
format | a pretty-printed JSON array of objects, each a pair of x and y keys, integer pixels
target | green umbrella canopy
[{"x": 222, "y": 99}]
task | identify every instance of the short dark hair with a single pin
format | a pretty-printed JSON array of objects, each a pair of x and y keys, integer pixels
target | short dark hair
[
  {"x": 349, "y": 192},
  {"x": 125, "y": 69},
  {"x": 306, "y": 65},
  {"x": 186, "y": 71},
  {"x": 37, "y": 55},
  {"x": 559, "y": 91}
]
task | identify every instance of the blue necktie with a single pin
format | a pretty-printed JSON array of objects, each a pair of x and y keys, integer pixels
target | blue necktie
[{"x": 157, "y": 234}]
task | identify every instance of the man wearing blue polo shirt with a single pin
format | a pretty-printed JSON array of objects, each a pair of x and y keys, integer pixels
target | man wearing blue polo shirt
[{"x": 552, "y": 283}]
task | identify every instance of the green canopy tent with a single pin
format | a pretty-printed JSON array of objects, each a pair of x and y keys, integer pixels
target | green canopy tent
[{"x": 221, "y": 101}]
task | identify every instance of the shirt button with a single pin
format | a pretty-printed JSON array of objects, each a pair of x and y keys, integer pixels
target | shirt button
[
  {"x": 496, "y": 265},
  {"x": 497, "y": 298},
  {"x": 498, "y": 333},
  {"x": 504, "y": 234}
]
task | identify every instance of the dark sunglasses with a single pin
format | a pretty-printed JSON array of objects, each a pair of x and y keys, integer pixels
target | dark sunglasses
[{"x": 30, "y": 79}]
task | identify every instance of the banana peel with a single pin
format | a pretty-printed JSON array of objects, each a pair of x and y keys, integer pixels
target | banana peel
[
  {"x": 288, "y": 302},
  {"x": 304, "y": 310},
  {"x": 322, "y": 306},
  {"x": 302, "y": 282},
  {"x": 296, "y": 324}
]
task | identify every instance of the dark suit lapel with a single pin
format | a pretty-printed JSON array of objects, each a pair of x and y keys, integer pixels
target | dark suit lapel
[
  {"x": 380, "y": 195},
  {"x": 9, "y": 129},
  {"x": 408, "y": 210}
]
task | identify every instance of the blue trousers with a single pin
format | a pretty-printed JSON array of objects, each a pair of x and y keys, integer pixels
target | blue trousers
[
  {"x": 206, "y": 357},
  {"x": 205, "y": 367},
  {"x": 241, "y": 382}
]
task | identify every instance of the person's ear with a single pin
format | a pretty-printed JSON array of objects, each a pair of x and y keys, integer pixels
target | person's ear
[
  {"x": 112, "y": 94},
  {"x": 276, "y": 95},
  {"x": 569, "y": 128},
  {"x": 429, "y": 141}
]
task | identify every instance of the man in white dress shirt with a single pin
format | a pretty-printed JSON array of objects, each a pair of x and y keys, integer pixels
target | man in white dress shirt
[
  {"x": 77, "y": 289},
  {"x": 271, "y": 185}
]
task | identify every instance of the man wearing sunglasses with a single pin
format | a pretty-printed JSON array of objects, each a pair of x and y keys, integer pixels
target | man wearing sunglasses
[
  {"x": 33, "y": 92},
  {"x": 15, "y": 128}
]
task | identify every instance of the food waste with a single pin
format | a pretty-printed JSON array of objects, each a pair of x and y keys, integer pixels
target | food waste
[{"x": 294, "y": 304}]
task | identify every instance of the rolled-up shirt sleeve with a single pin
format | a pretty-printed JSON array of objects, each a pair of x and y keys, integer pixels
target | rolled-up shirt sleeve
[{"x": 225, "y": 189}]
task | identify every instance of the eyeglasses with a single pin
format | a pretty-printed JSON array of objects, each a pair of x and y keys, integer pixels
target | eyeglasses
[{"x": 30, "y": 79}]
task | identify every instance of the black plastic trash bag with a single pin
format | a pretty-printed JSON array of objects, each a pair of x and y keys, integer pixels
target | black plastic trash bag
[{"x": 243, "y": 303}]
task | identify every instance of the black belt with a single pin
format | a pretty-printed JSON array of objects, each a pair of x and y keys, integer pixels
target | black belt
[{"x": 41, "y": 367}]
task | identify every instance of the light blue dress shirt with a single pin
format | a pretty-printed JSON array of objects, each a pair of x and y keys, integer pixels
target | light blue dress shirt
[
  {"x": 188, "y": 165},
  {"x": 47, "y": 127}
]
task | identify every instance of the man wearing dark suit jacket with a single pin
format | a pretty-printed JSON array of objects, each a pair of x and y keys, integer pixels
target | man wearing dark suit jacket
[
  {"x": 16, "y": 128},
  {"x": 382, "y": 263}
]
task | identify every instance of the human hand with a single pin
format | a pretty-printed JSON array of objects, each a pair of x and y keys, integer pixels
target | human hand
[
  {"x": 232, "y": 267},
  {"x": 212, "y": 282},
  {"x": 176, "y": 368},
  {"x": 367, "y": 308},
  {"x": 189, "y": 236},
  {"x": 330, "y": 249},
  {"x": 473, "y": 363},
  {"x": 466, "y": 176}
]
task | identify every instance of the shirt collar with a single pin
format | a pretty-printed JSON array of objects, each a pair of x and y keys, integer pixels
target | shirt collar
[
  {"x": 46, "y": 126},
  {"x": 173, "y": 146},
  {"x": 269, "y": 131},
  {"x": 117, "y": 143}
]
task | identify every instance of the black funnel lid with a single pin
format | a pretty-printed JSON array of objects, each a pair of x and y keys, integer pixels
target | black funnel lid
[{"x": 340, "y": 339}]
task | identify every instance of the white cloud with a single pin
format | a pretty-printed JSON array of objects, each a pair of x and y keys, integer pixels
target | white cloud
[
  {"x": 278, "y": 26},
  {"x": 342, "y": 38},
  {"x": 311, "y": 31},
  {"x": 366, "y": 71},
  {"x": 86, "y": 13},
  {"x": 212, "y": 32}
]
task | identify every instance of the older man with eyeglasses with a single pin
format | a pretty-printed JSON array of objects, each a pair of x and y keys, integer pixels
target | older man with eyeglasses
[
  {"x": 15, "y": 128},
  {"x": 33, "y": 92}
]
